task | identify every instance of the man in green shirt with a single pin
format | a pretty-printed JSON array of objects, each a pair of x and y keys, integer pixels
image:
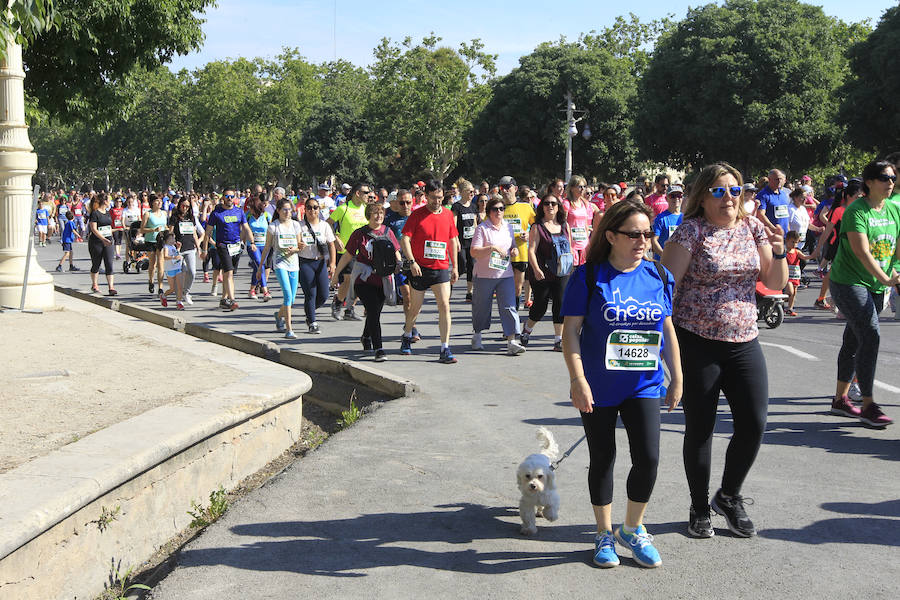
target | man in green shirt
[{"x": 347, "y": 218}]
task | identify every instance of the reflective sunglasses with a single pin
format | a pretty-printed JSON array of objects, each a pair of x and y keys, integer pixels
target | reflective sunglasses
[
  {"x": 634, "y": 235},
  {"x": 719, "y": 192},
  {"x": 228, "y": 196},
  {"x": 885, "y": 177}
]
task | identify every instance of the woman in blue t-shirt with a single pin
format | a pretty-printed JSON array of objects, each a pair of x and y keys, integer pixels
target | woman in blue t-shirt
[{"x": 617, "y": 330}]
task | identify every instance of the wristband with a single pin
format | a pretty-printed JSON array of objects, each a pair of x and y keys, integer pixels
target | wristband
[{"x": 781, "y": 256}]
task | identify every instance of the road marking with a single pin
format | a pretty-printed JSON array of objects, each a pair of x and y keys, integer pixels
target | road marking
[
  {"x": 887, "y": 387},
  {"x": 792, "y": 350}
]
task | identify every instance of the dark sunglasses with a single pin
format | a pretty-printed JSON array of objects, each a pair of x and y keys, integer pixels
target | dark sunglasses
[
  {"x": 634, "y": 235},
  {"x": 676, "y": 195},
  {"x": 228, "y": 196},
  {"x": 312, "y": 207},
  {"x": 550, "y": 203},
  {"x": 497, "y": 208},
  {"x": 719, "y": 192},
  {"x": 886, "y": 177}
]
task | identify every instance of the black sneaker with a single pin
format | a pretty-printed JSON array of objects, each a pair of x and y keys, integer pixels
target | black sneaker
[
  {"x": 73, "y": 268},
  {"x": 699, "y": 524},
  {"x": 151, "y": 287},
  {"x": 735, "y": 515},
  {"x": 350, "y": 315},
  {"x": 336, "y": 309},
  {"x": 380, "y": 355},
  {"x": 59, "y": 268}
]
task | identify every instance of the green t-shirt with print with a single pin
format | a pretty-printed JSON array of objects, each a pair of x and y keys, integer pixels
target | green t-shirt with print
[
  {"x": 881, "y": 228},
  {"x": 347, "y": 218}
]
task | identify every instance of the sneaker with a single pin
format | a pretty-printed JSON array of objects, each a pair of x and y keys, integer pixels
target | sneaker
[
  {"x": 188, "y": 300},
  {"x": 350, "y": 315},
  {"x": 314, "y": 328},
  {"x": 735, "y": 515},
  {"x": 279, "y": 323},
  {"x": 206, "y": 278},
  {"x": 74, "y": 268},
  {"x": 266, "y": 296},
  {"x": 525, "y": 338},
  {"x": 380, "y": 355},
  {"x": 469, "y": 298},
  {"x": 699, "y": 524},
  {"x": 822, "y": 304},
  {"x": 225, "y": 304},
  {"x": 366, "y": 342},
  {"x": 514, "y": 348},
  {"x": 529, "y": 304},
  {"x": 336, "y": 309},
  {"x": 446, "y": 357},
  {"x": 557, "y": 346},
  {"x": 641, "y": 545},
  {"x": 405, "y": 345},
  {"x": 252, "y": 293},
  {"x": 605, "y": 551},
  {"x": 844, "y": 407},
  {"x": 873, "y": 416},
  {"x": 414, "y": 336},
  {"x": 179, "y": 305},
  {"x": 290, "y": 335},
  {"x": 163, "y": 301},
  {"x": 151, "y": 287},
  {"x": 234, "y": 305},
  {"x": 790, "y": 313},
  {"x": 853, "y": 393},
  {"x": 476, "y": 341},
  {"x": 59, "y": 268},
  {"x": 214, "y": 290}
]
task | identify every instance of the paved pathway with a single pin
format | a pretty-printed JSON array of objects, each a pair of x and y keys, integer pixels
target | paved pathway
[{"x": 419, "y": 499}]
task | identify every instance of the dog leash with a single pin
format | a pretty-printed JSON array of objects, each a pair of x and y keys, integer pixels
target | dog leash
[{"x": 555, "y": 465}]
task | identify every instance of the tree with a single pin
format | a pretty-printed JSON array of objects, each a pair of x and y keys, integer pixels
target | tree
[
  {"x": 753, "y": 83},
  {"x": 24, "y": 20},
  {"x": 868, "y": 109},
  {"x": 522, "y": 130}
]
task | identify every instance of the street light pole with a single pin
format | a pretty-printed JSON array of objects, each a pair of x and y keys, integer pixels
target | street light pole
[{"x": 570, "y": 124}]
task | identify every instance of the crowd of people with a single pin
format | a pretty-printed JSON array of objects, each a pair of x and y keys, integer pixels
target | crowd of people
[{"x": 584, "y": 252}]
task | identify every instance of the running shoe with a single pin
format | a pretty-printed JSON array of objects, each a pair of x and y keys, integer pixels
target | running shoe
[
  {"x": 112, "y": 292},
  {"x": 557, "y": 346},
  {"x": 96, "y": 290},
  {"x": 59, "y": 268},
  {"x": 415, "y": 335},
  {"x": 252, "y": 293},
  {"x": 290, "y": 335},
  {"x": 234, "y": 305},
  {"x": 844, "y": 407},
  {"x": 469, "y": 298},
  {"x": 476, "y": 341},
  {"x": 822, "y": 304},
  {"x": 699, "y": 524},
  {"x": 405, "y": 345},
  {"x": 350, "y": 315},
  {"x": 529, "y": 304},
  {"x": 735, "y": 515},
  {"x": 74, "y": 268},
  {"x": 223, "y": 303},
  {"x": 873, "y": 416},
  {"x": 366, "y": 342},
  {"x": 641, "y": 544},
  {"x": 380, "y": 355},
  {"x": 790, "y": 313},
  {"x": 336, "y": 309},
  {"x": 854, "y": 393},
  {"x": 266, "y": 296},
  {"x": 605, "y": 551},
  {"x": 446, "y": 357},
  {"x": 279, "y": 322},
  {"x": 214, "y": 290},
  {"x": 314, "y": 328},
  {"x": 151, "y": 287},
  {"x": 525, "y": 338},
  {"x": 163, "y": 301},
  {"x": 188, "y": 300},
  {"x": 514, "y": 348},
  {"x": 179, "y": 306}
]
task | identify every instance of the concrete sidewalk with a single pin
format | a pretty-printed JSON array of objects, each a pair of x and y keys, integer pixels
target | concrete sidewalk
[{"x": 419, "y": 499}]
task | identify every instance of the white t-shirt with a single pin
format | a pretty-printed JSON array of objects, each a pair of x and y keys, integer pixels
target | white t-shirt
[
  {"x": 324, "y": 233},
  {"x": 798, "y": 220},
  {"x": 285, "y": 235},
  {"x": 326, "y": 207}
]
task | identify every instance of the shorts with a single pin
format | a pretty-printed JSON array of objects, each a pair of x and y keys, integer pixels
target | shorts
[
  {"x": 429, "y": 278},
  {"x": 794, "y": 281},
  {"x": 519, "y": 266},
  {"x": 173, "y": 272},
  {"x": 227, "y": 262},
  {"x": 347, "y": 269},
  {"x": 42, "y": 228},
  {"x": 67, "y": 246}
]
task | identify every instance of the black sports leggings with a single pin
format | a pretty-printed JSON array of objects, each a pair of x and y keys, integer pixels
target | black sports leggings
[
  {"x": 737, "y": 369},
  {"x": 98, "y": 253},
  {"x": 545, "y": 291},
  {"x": 373, "y": 299},
  {"x": 640, "y": 416},
  {"x": 465, "y": 261}
]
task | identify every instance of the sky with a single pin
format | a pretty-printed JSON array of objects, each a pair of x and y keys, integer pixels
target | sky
[{"x": 350, "y": 29}]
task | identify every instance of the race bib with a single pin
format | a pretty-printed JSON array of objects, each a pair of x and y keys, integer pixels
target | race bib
[
  {"x": 579, "y": 234},
  {"x": 77, "y": 212},
  {"x": 259, "y": 238},
  {"x": 186, "y": 228},
  {"x": 793, "y": 271},
  {"x": 468, "y": 232},
  {"x": 633, "y": 350},
  {"x": 308, "y": 238},
  {"x": 233, "y": 249},
  {"x": 516, "y": 223},
  {"x": 117, "y": 223},
  {"x": 781, "y": 212},
  {"x": 287, "y": 240},
  {"x": 435, "y": 250},
  {"x": 672, "y": 229},
  {"x": 497, "y": 262},
  {"x": 105, "y": 230}
]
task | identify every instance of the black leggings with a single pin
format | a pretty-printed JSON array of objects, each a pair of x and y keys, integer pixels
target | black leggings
[
  {"x": 543, "y": 292},
  {"x": 640, "y": 416},
  {"x": 737, "y": 369},
  {"x": 464, "y": 262},
  {"x": 372, "y": 297},
  {"x": 100, "y": 252}
]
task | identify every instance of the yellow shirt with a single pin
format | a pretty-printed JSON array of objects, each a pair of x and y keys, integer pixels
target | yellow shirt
[
  {"x": 521, "y": 216},
  {"x": 348, "y": 217}
]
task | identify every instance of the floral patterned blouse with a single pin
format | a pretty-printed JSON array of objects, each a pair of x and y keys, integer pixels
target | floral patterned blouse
[{"x": 716, "y": 298}]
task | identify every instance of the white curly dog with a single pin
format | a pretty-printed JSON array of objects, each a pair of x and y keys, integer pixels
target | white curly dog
[{"x": 537, "y": 482}]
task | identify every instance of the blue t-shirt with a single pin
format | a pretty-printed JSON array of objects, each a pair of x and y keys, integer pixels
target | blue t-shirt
[
  {"x": 42, "y": 215},
  {"x": 395, "y": 221},
  {"x": 228, "y": 223},
  {"x": 259, "y": 226},
  {"x": 621, "y": 338},
  {"x": 664, "y": 225},
  {"x": 68, "y": 234},
  {"x": 775, "y": 205}
]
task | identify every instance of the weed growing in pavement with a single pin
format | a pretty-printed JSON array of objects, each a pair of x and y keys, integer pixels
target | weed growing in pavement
[
  {"x": 218, "y": 504},
  {"x": 121, "y": 587},
  {"x": 351, "y": 415},
  {"x": 107, "y": 516}
]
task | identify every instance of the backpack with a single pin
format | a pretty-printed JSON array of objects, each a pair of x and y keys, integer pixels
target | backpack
[
  {"x": 384, "y": 255},
  {"x": 561, "y": 260}
]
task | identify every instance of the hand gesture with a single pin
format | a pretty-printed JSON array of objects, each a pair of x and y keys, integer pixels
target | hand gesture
[{"x": 776, "y": 238}]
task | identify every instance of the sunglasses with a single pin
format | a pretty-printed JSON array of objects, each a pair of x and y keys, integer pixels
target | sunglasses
[
  {"x": 719, "y": 192},
  {"x": 497, "y": 208},
  {"x": 676, "y": 195},
  {"x": 634, "y": 235},
  {"x": 228, "y": 196},
  {"x": 886, "y": 177},
  {"x": 311, "y": 207},
  {"x": 550, "y": 203}
]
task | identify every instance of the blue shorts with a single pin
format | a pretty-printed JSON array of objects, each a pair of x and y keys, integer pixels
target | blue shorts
[{"x": 67, "y": 246}]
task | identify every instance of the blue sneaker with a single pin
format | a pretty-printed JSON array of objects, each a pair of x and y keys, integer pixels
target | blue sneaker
[
  {"x": 447, "y": 357},
  {"x": 279, "y": 323},
  {"x": 605, "y": 551},
  {"x": 405, "y": 345},
  {"x": 642, "y": 549}
]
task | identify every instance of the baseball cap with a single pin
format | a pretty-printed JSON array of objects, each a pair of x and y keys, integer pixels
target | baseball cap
[
  {"x": 506, "y": 180},
  {"x": 623, "y": 185},
  {"x": 806, "y": 178},
  {"x": 345, "y": 186},
  {"x": 324, "y": 186},
  {"x": 749, "y": 187},
  {"x": 420, "y": 184},
  {"x": 674, "y": 188}
]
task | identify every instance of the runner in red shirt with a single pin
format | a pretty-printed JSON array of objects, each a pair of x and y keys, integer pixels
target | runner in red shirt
[
  {"x": 118, "y": 226},
  {"x": 429, "y": 242}
]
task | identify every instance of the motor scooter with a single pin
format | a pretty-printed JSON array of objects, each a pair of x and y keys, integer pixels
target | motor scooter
[{"x": 769, "y": 305}]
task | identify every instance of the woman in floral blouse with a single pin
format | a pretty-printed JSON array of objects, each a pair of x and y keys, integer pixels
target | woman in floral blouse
[{"x": 716, "y": 256}]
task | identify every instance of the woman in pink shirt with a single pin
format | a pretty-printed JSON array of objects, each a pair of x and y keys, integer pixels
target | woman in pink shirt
[{"x": 579, "y": 215}]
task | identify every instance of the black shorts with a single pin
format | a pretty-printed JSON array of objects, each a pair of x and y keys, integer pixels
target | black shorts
[
  {"x": 520, "y": 266},
  {"x": 429, "y": 278},
  {"x": 347, "y": 269},
  {"x": 227, "y": 262}
]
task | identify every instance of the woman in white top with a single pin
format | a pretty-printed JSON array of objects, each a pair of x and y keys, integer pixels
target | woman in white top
[{"x": 317, "y": 259}]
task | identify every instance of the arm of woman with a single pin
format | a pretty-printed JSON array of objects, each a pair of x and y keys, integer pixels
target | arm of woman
[
  {"x": 672, "y": 356},
  {"x": 533, "y": 240},
  {"x": 676, "y": 259},
  {"x": 859, "y": 243},
  {"x": 579, "y": 390},
  {"x": 144, "y": 228},
  {"x": 820, "y": 244},
  {"x": 773, "y": 272},
  {"x": 332, "y": 253},
  {"x": 267, "y": 248}
]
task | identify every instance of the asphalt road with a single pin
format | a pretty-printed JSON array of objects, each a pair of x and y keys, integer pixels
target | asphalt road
[{"x": 419, "y": 498}]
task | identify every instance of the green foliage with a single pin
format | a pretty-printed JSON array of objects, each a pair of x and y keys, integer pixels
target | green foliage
[
  {"x": 107, "y": 516},
  {"x": 351, "y": 415},
  {"x": 869, "y": 108},
  {"x": 750, "y": 82},
  {"x": 120, "y": 588},
  {"x": 25, "y": 20},
  {"x": 218, "y": 504}
]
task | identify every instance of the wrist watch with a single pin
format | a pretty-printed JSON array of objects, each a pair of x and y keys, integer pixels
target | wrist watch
[{"x": 783, "y": 255}]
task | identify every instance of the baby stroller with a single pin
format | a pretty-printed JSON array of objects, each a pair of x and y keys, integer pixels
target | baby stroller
[{"x": 136, "y": 249}]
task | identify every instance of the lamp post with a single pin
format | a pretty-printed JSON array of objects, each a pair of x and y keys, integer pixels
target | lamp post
[{"x": 572, "y": 117}]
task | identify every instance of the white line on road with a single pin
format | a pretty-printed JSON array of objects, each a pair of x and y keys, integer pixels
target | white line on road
[
  {"x": 792, "y": 350},
  {"x": 887, "y": 387}
]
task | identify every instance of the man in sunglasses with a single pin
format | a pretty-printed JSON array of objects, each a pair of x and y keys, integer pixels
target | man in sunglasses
[
  {"x": 521, "y": 216},
  {"x": 774, "y": 201},
  {"x": 395, "y": 218},
  {"x": 666, "y": 222},
  {"x": 657, "y": 200},
  {"x": 230, "y": 225}
]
